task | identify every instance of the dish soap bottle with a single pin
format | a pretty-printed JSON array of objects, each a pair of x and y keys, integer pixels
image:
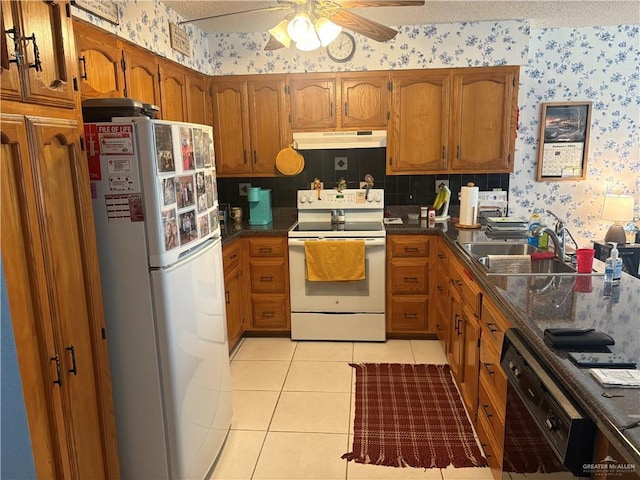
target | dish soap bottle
[
  {"x": 613, "y": 266},
  {"x": 534, "y": 222}
]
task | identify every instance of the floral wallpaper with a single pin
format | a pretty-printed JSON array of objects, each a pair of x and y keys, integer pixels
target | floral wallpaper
[
  {"x": 597, "y": 64},
  {"x": 146, "y": 23},
  {"x": 416, "y": 46},
  {"x": 601, "y": 65}
]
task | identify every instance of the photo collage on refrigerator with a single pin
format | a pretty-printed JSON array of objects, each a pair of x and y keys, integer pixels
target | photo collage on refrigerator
[{"x": 187, "y": 184}]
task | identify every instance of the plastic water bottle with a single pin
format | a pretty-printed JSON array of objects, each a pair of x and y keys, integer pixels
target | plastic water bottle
[{"x": 534, "y": 222}]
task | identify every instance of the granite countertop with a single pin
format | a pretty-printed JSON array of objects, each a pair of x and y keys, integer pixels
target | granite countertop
[
  {"x": 536, "y": 303},
  {"x": 533, "y": 304}
]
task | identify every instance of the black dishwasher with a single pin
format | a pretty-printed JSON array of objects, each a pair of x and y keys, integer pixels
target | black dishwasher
[{"x": 547, "y": 435}]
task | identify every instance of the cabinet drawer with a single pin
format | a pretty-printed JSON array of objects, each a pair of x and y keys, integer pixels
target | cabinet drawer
[
  {"x": 269, "y": 312},
  {"x": 267, "y": 247},
  {"x": 267, "y": 276},
  {"x": 409, "y": 314},
  {"x": 231, "y": 255},
  {"x": 493, "y": 324},
  {"x": 487, "y": 406},
  {"x": 409, "y": 277},
  {"x": 409, "y": 246},
  {"x": 492, "y": 371}
]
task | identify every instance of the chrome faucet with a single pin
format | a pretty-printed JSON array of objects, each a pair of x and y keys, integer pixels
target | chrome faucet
[{"x": 558, "y": 236}]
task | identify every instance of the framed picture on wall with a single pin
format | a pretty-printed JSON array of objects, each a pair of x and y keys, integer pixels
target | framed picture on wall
[{"x": 564, "y": 141}]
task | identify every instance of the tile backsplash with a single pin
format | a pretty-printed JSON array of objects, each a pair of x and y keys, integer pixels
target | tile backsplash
[{"x": 399, "y": 189}]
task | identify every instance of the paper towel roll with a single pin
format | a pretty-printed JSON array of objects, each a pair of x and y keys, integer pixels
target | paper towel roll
[{"x": 469, "y": 205}]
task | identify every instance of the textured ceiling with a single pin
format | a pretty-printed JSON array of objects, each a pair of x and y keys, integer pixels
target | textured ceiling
[{"x": 567, "y": 13}]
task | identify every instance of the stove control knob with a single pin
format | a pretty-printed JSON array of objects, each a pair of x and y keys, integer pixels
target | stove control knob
[
  {"x": 303, "y": 199},
  {"x": 378, "y": 197}
]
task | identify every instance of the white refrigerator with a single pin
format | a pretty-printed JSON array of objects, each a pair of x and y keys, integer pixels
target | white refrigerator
[{"x": 156, "y": 213}]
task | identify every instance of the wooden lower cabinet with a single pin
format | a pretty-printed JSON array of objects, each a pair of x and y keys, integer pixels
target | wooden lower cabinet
[
  {"x": 53, "y": 285},
  {"x": 233, "y": 291},
  {"x": 408, "y": 284},
  {"x": 268, "y": 267}
]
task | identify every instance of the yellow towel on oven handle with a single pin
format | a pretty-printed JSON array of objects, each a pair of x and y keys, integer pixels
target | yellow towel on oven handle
[{"x": 335, "y": 260}]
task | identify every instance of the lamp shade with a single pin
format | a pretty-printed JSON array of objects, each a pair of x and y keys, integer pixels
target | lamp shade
[
  {"x": 327, "y": 30},
  {"x": 617, "y": 208},
  {"x": 300, "y": 28},
  {"x": 280, "y": 33}
]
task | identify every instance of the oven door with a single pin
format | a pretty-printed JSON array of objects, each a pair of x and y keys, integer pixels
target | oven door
[{"x": 363, "y": 296}]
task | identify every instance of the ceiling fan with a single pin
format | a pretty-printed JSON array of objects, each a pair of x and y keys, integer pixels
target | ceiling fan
[{"x": 314, "y": 23}]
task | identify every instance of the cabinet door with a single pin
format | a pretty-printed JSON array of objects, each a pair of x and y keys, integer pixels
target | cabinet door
[
  {"x": 71, "y": 266},
  {"x": 198, "y": 99},
  {"x": 269, "y": 130},
  {"x": 233, "y": 301},
  {"x": 48, "y": 69},
  {"x": 173, "y": 92},
  {"x": 141, "y": 75},
  {"x": 33, "y": 331},
  {"x": 9, "y": 75},
  {"x": 230, "y": 127},
  {"x": 456, "y": 336},
  {"x": 364, "y": 101},
  {"x": 418, "y": 129},
  {"x": 313, "y": 103},
  {"x": 471, "y": 367},
  {"x": 483, "y": 119},
  {"x": 62, "y": 309},
  {"x": 99, "y": 63}
]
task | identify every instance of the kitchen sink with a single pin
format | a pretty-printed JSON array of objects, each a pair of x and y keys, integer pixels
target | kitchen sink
[
  {"x": 481, "y": 252},
  {"x": 538, "y": 267},
  {"x": 482, "y": 249}
]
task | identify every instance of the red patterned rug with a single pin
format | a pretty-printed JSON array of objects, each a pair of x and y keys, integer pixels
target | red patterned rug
[{"x": 411, "y": 416}]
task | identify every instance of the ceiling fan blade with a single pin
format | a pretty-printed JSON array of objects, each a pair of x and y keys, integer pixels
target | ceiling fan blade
[
  {"x": 262, "y": 9},
  {"x": 356, "y": 23},
  {"x": 380, "y": 3},
  {"x": 273, "y": 44}
]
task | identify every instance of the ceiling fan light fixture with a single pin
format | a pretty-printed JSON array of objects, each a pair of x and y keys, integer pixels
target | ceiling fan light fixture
[
  {"x": 308, "y": 44},
  {"x": 300, "y": 27},
  {"x": 280, "y": 33},
  {"x": 327, "y": 30}
]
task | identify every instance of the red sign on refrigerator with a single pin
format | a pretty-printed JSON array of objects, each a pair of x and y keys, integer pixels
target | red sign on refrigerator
[{"x": 93, "y": 151}]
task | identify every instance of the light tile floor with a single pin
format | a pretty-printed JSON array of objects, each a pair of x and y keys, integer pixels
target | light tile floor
[{"x": 293, "y": 408}]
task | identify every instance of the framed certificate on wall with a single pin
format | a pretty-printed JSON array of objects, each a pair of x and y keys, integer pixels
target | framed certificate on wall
[{"x": 564, "y": 141}]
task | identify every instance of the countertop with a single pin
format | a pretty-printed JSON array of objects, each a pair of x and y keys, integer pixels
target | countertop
[{"x": 535, "y": 303}]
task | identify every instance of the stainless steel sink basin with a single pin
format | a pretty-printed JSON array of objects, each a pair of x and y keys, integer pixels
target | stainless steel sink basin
[
  {"x": 538, "y": 267},
  {"x": 481, "y": 252},
  {"x": 482, "y": 249}
]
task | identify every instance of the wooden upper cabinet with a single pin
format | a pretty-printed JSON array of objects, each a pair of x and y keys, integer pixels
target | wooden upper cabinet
[
  {"x": 99, "y": 57},
  {"x": 44, "y": 35},
  {"x": 231, "y": 127},
  {"x": 484, "y": 112},
  {"x": 141, "y": 75},
  {"x": 250, "y": 123},
  {"x": 9, "y": 74},
  {"x": 419, "y": 126},
  {"x": 173, "y": 91},
  {"x": 365, "y": 101},
  {"x": 198, "y": 99},
  {"x": 268, "y": 125},
  {"x": 313, "y": 102}
]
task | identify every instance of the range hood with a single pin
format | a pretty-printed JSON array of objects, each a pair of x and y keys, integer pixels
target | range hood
[{"x": 329, "y": 140}]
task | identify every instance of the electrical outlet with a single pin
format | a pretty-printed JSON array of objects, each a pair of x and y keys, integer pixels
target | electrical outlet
[
  {"x": 243, "y": 189},
  {"x": 441, "y": 182}
]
